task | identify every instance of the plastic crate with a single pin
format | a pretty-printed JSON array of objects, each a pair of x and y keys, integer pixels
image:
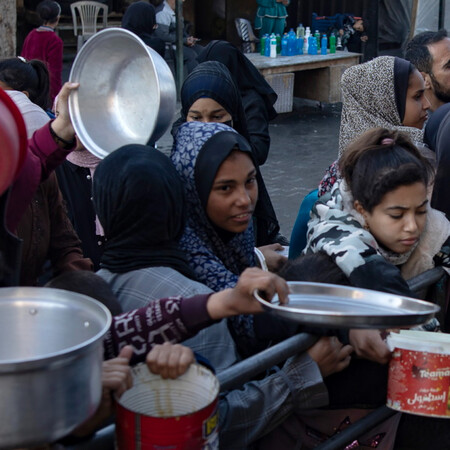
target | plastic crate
[{"x": 283, "y": 85}]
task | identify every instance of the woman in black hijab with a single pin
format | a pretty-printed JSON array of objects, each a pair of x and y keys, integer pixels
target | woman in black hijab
[
  {"x": 139, "y": 199},
  {"x": 140, "y": 18},
  {"x": 257, "y": 96},
  {"x": 212, "y": 80}
]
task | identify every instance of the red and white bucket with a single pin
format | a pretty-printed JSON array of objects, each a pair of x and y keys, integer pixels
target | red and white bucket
[
  {"x": 419, "y": 373},
  {"x": 176, "y": 414}
]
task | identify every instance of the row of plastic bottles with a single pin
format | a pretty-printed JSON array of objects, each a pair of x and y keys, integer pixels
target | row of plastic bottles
[{"x": 297, "y": 43}]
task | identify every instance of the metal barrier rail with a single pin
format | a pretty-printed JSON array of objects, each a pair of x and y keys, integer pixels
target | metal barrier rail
[
  {"x": 238, "y": 374},
  {"x": 426, "y": 279}
]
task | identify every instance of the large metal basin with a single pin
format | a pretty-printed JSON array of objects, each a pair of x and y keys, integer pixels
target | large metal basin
[
  {"x": 51, "y": 352},
  {"x": 127, "y": 92}
]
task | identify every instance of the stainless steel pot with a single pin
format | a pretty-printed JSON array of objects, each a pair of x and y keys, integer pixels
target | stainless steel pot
[
  {"x": 51, "y": 352},
  {"x": 127, "y": 92}
]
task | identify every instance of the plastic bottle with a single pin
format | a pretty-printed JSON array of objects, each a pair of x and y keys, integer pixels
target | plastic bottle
[
  {"x": 306, "y": 41},
  {"x": 312, "y": 45},
  {"x": 317, "y": 35},
  {"x": 332, "y": 43},
  {"x": 291, "y": 42},
  {"x": 273, "y": 46},
  {"x": 300, "y": 31},
  {"x": 278, "y": 44},
  {"x": 262, "y": 44},
  {"x": 284, "y": 45},
  {"x": 267, "y": 46},
  {"x": 323, "y": 46},
  {"x": 339, "y": 44},
  {"x": 300, "y": 44}
]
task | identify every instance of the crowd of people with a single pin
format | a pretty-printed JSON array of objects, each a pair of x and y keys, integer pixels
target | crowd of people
[{"x": 184, "y": 239}]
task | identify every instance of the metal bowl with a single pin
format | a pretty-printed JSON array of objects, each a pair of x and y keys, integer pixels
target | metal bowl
[
  {"x": 336, "y": 306},
  {"x": 127, "y": 92},
  {"x": 50, "y": 363}
]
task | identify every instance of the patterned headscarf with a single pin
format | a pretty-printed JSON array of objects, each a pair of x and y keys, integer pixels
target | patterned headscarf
[
  {"x": 199, "y": 150},
  {"x": 373, "y": 94}
]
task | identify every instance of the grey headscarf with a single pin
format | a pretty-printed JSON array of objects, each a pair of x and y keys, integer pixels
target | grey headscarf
[{"x": 369, "y": 99}]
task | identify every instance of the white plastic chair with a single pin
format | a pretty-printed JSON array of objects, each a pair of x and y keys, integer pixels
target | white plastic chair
[
  {"x": 245, "y": 32},
  {"x": 88, "y": 12}
]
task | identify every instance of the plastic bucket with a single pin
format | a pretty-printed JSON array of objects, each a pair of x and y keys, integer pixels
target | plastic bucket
[
  {"x": 419, "y": 373},
  {"x": 169, "y": 414}
]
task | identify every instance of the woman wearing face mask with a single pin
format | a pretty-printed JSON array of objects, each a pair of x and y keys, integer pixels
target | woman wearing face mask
[
  {"x": 140, "y": 18},
  {"x": 209, "y": 94},
  {"x": 257, "y": 96}
]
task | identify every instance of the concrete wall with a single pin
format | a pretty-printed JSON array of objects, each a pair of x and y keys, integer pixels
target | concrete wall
[{"x": 8, "y": 28}]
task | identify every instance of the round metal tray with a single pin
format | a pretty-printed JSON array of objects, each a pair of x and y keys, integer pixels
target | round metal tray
[{"x": 348, "y": 307}]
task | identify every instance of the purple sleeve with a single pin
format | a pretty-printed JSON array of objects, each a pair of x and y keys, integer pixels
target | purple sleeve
[{"x": 173, "y": 319}]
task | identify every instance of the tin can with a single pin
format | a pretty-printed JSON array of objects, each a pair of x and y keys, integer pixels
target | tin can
[
  {"x": 179, "y": 414},
  {"x": 419, "y": 373}
]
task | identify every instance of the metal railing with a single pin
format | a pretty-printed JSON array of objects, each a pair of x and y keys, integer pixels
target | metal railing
[{"x": 238, "y": 374}]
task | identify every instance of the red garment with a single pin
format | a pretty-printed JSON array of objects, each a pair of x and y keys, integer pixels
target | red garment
[
  {"x": 43, "y": 156},
  {"x": 47, "y": 46}
]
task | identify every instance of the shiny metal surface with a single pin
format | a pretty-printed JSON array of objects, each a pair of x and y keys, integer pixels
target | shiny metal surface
[
  {"x": 348, "y": 307},
  {"x": 51, "y": 355},
  {"x": 127, "y": 92}
]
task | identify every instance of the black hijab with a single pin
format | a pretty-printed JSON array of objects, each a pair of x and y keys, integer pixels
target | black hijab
[
  {"x": 402, "y": 70},
  {"x": 140, "y": 18},
  {"x": 212, "y": 79},
  {"x": 245, "y": 74},
  {"x": 139, "y": 199}
]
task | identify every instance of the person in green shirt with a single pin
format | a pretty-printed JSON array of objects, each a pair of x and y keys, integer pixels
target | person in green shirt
[{"x": 271, "y": 16}]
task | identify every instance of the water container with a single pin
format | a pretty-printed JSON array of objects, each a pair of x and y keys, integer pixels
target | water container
[
  {"x": 332, "y": 43},
  {"x": 300, "y": 45},
  {"x": 317, "y": 35},
  {"x": 262, "y": 44},
  {"x": 339, "y": 44},
  {"x": 291, "y": 43},
  {"x": 306, "y": 42},
  {"x": 267, "y": 46},
  {"x": 284, "y": 45},
  {"x": 323, "y": 46},
  {"x": 300, "y": 31},
  {"x": 273, "y": 46},
  {"x": 278, "y": 44},
  {"x": 312, "y": 45}
]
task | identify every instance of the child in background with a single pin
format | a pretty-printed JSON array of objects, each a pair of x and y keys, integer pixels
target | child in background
[
  {"x": 353, "y": 33},
  {"x": 44, "y": 44}
]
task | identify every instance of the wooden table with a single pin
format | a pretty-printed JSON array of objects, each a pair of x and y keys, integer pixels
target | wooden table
[{"x": 317, "y": 77}]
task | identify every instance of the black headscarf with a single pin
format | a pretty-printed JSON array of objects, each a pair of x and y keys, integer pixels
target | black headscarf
[
  {"x": 212, "y": 79},
  {"x": 140, "y": 18},
  {"x": 139, "y": 199},
  {"x": 245, "y": 74},
  {"x": 402, "y": 70}
]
